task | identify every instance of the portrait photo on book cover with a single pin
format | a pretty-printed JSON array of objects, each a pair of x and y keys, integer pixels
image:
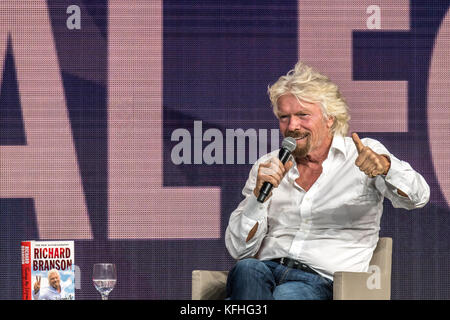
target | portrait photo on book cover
[{"x": 53, "y": 285}]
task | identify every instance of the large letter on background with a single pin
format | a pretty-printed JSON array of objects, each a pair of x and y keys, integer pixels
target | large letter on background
[
  {"x": 325, "y": 42},
  {"x": 46, "y": 169},
  {"x": 139, "y": 206},
  {"x": 438, "y": 106}
]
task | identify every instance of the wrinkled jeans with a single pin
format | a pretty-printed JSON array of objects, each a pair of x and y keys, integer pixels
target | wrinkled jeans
[{"x": 252, "y": 279}]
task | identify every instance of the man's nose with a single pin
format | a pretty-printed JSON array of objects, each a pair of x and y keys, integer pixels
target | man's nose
[{"x": 294, "y": 123}]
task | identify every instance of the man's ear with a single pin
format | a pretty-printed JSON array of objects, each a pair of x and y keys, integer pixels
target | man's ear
[{"x": 330, "y": 121}]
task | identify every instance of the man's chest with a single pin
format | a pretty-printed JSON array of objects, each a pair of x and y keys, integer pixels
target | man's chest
[{"x": 308, "y": 176}]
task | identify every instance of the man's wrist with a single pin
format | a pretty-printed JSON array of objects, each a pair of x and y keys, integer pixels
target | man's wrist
[{"x": 387, "y": 163}]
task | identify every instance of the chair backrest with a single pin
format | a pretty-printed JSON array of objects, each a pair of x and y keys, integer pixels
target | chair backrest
[
  {"x": 382, "y": 255},
  {"x": 382, "y": 258}
]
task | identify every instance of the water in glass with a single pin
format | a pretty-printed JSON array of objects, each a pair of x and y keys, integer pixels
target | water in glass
[{"x": 104, "y": 276}]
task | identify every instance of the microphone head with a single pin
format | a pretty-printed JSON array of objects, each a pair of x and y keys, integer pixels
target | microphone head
[{"x": 289, "y": 143}]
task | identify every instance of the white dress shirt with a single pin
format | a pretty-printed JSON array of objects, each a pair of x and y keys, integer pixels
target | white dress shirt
[
  {"x": 334, "y": 225},
  {"x": 47, "y": 293}
]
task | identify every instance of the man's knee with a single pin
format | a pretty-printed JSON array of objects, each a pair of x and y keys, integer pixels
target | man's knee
[{"x": 300, "y": 290}]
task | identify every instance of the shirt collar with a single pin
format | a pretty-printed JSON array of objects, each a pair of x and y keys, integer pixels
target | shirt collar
[
  {"x": 338, "y": 144},
  {"x": 52, "y": 289}
]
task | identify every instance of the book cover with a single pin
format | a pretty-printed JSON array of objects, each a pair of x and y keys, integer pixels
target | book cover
[{"x": 48, "y": 270}]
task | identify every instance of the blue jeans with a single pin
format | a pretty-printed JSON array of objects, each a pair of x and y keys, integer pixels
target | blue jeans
[{"x": 252, "y": 279}]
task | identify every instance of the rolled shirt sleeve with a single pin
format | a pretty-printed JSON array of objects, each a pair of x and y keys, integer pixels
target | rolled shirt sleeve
[
  {"x": 401, "y": 176},
  {"x": 243, "y": 219}
]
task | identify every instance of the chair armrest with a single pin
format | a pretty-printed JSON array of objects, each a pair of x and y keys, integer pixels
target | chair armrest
[
  {"x": 209, "y": 285},
  {"x": 361, "y": 286}
]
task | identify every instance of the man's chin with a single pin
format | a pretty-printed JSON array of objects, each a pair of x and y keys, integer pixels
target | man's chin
[
  {"x": 302, "y": 149},
  {"x": 299, "y": 153}
]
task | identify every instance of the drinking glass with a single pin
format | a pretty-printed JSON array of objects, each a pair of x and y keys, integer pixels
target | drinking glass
[{"x": 104, "y": 276}]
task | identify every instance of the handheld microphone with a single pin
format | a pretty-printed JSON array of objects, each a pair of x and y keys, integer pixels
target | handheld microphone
[{"x": 287, "y": 146}]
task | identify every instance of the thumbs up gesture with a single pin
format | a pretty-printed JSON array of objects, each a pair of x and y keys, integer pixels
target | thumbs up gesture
[{"x": 368, "y": 161}]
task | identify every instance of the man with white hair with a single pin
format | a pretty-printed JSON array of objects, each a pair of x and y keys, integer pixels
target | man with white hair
[
  {"x": 323, "y": 213},
  {"x": 52, "y": 291}
]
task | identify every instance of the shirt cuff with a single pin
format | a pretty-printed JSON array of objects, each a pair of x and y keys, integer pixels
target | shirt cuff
[
  {"x": 254, "y": 209},
  {"x": 394, "y": 176}
]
